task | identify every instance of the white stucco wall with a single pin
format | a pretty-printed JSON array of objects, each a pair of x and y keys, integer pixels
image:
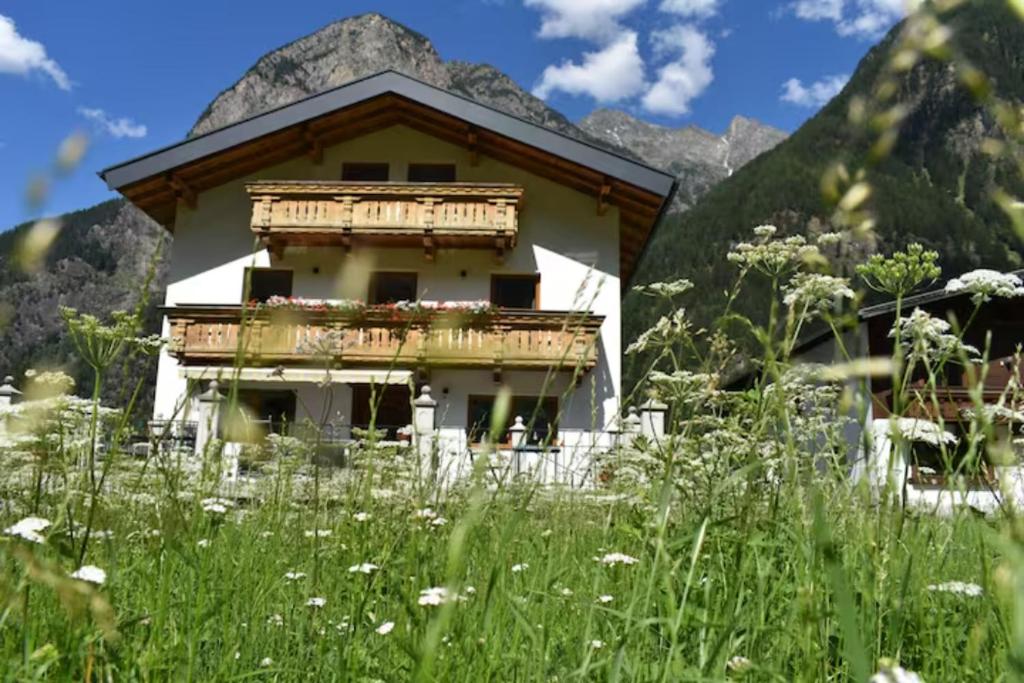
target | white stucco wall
[{"x": 561, "y": 236}]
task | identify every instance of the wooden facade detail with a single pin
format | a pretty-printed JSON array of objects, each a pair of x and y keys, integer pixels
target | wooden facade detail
[
  {"x": 428, "y": 215},
  {"x": 508, "y": 340}
]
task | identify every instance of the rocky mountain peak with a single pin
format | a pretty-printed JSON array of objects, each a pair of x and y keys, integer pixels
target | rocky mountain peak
[{"x": 340, "y": 52}]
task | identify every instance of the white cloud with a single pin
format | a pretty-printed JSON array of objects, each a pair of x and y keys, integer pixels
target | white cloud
[
  {"x": 684, "y": 78},
  {"x": 697, "y": 9},
  {"x": 613, "y": 73},
  {"x": 813, "y": 94},
  {"x": 21, "y": 56},
  {"x": 122, "y": 127},
  {"x": 859, "y": 18},
  {"x": 596, "y": 20}
]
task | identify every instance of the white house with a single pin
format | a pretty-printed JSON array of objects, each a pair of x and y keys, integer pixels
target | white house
[{"x": 336, "y": 254}]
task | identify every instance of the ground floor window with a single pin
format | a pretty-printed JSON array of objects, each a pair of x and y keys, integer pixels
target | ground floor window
[
  {"x": 258, "y": 412},
  {"x": 394, "y": 411},
  {"x": 931, "y": 464},
  {"x": 542, "y": 412}
]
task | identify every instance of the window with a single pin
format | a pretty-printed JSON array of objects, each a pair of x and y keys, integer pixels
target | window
[
  {"x": 387, "y": 288},
  {"x": 365, "y": 172},
  {"x": 259, "y": 412},
  {"x": 267, "y": 282},
  {"x": 515, "y": 291},
  {"x": 394, "y": 409},
  {"x": 431, "y": 173},
  {"x": 543, "y": 412},
  {"x": 930, "y": 465}
]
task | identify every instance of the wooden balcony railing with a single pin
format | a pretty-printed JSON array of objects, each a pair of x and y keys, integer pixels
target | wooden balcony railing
[
  {"x": 428, "y": 215},
  {"x": 510, "y": 339}
]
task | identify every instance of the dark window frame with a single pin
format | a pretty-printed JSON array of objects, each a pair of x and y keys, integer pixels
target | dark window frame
[
  {"x": 535, "y": 277},
  {"x": 367, "y": 168},
  {"x": 248, "y": 281},
  {"x": 372, "y": 297},
  {"x": 428, "y": 167}
]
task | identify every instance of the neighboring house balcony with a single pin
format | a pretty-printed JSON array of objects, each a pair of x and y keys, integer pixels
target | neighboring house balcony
[
  {"x": 410, "y": 336},
  {"x": 386, "y": 214}
]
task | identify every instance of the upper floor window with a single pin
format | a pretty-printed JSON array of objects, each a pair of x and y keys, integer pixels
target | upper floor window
[
  {"x": 387, "y": 288},
  {"x": 365, "y": 172},
  {"x": 431, "y": 173},
  {"x": 516, "y": 291},
  {"x": 267, "y": 282}
]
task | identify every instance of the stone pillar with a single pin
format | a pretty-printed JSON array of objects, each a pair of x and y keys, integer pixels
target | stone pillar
[
  {"x": 631, "y": 427},
  {"x": 516, "y": 440},
  {"x": 424, "y": 415},
  {"x": 8, "y": 395},
  {"x": 652, "y": 420},
  {"x": 208, "y": 417}
]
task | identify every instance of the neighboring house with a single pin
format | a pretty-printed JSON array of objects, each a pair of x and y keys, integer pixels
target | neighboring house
[
  {"x": 385, "y": 235},
  {"x": 921, "y": 473}
]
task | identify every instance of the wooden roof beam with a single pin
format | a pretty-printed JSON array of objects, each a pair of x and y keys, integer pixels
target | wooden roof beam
[{"x": 182, "y": 191}]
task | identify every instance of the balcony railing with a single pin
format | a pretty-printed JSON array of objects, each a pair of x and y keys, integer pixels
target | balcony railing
[
  {"x": 428, "y": 215},
  {"x": 512, "y": 339}
]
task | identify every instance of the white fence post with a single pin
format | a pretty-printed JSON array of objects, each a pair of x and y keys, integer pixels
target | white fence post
[
  {"x": 8, "y": 394},
  {"x": 208, "y": 422},
  {"x": 631, "y": 427},
  {"x": 425, "y": 411},
  {"x": 652, "y": 420}
]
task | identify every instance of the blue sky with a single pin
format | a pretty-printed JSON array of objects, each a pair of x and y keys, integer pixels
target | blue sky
[{"x": 135, "y": 75}]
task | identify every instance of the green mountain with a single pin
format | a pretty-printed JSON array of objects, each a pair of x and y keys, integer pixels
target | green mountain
[{"x": 934, "y": 188}]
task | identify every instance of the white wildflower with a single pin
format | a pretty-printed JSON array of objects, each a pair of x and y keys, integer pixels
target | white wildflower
[
  {"x": 316, "y": 602},
  {"x": 765, "y": 231},
  {"x": 217, "y": 506},
  {"x": 363, "y": 568},
  {"x": 971, "y": 590},
  {"x": 386, "y": 628},
  {"x": 983, "y": 284},
  {"x": 266, "y": 662},
  {"x": 596, "y": 644},
  {"x": 361, "y": 516},
  {"x": 895, "y": 674},
  {"x": 665, "y": 289},
  {"x": 738, "y": 664},
  {"x": 433, "y": 597},
  {"x": 612, "y": 559},
  {"x": 668, "y": 330},
  {"x": 318, "y": 533},
  {"x": 516, "y": 568},
  {"x": 438, "y": 522},
  {"x": 605, "y": 599},
  {"x": 425, "y": 513},
  {"x": 29, "y": 529},
  {"x": 829, "y": 239},
  {"x": 567, "y": 592},
  {"x": 90, "y": 574},
  {"x": 914, "y": 429},
  {"x": 928, "y": 338},
  {"x": 275, "y": 620},
  {"x": 816, "y": 292},
  {"x": 294, "y": 576}
]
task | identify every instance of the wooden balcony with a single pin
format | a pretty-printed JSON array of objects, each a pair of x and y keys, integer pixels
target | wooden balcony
[
  {"x": 427, "y": 215},
  {"x": 511, "y": 339}
]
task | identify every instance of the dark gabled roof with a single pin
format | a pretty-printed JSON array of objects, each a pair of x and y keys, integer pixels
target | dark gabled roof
[
  {"x": 388, "y": 82},
  {"x": 922, "y": 299}
]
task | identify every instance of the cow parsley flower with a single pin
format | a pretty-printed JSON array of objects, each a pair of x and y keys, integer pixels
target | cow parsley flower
[
  {"x": 361, "y": 516},
  {"x": 816, "y": 292},
  {"x": 432, "y": 597},
  {"x": 275, "y": 620},
  {"x": 738, "y": 664},
  {"x": 895, "y": 674},
  {"x": 90, "y": 574},
  {"x": 294, "y": 576},
  {"x": 386, "y": 628},
  {"x": 29, "y": 529},
  {"x": 266, "y": 662},
  {"x": 612, "y": 559},
  {"x": 217, "y": 506},
  {"x": 914, "y": 429},
  {"x": 364, "y": 568},
  {"x": 438, "y": 522},
  {"x": 318, "y": 533},
  {"x": 668, "y": 330},
  {"x": 425, "y": 513},
  {"x": 665, "y": 289},
  {"x": 605, "y": 599},
  {"x": 983, "y": 284},
  {"x": 772, "y": 257},
  {"x": 596, "y": 644},
  {"x": 316, "y": 602},
  {"x": 516, "y": 568},
  {"x": 925, "y": 337},
  {"x": 203, "y": 543},
  {"x": 971, "y": 590}
]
